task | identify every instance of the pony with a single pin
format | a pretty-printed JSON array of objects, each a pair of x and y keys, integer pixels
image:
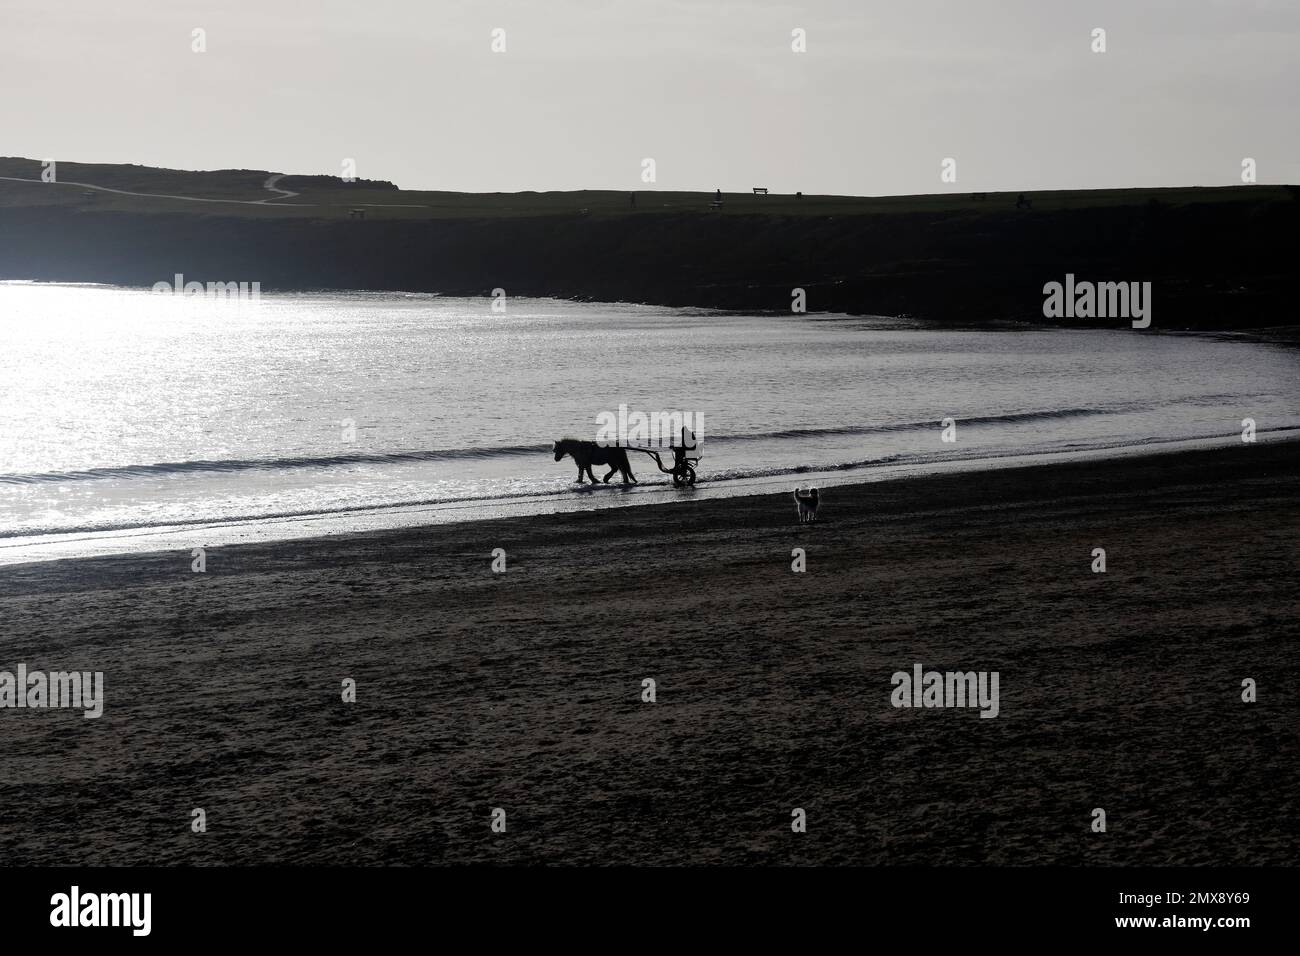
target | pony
[{"x": 588, "y": 453}]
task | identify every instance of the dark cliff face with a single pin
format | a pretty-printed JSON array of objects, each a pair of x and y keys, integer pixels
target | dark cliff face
[{"x": 1212, "y": 265}]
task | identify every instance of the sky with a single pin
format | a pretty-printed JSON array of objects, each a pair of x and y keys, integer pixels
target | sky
[{"x": 712, "y": 91}]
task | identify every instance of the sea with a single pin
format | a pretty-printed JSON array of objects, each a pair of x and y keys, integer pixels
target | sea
[{"x": 132, "y": 420}]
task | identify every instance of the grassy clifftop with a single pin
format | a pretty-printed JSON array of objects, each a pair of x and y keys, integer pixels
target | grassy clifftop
[{"x": 1218, "y": 258}]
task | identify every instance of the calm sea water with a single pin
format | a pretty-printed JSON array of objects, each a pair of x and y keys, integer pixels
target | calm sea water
[{"x": 133, "y": 420}]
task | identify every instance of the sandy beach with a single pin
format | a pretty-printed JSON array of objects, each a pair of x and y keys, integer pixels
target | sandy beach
[{"x": 523, "y": 690}]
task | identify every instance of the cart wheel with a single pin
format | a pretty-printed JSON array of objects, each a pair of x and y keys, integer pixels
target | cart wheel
[{"x": 689, "y": 475}]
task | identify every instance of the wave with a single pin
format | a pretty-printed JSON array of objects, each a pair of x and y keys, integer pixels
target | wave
[
  {"x": 1005, "y": 419},
  {"x": 270, "y": 464},
  {"x": 564, "y": 489},
  {"x": 505, "y": 451}
]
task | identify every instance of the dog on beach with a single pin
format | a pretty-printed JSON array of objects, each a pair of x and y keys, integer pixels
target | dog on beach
[
  {"x": 807, "y": 502},
  {"x": 588, "y": 453}
]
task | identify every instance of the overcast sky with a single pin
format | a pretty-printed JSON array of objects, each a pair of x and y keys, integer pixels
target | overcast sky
[{"x": 711, "y": 90}]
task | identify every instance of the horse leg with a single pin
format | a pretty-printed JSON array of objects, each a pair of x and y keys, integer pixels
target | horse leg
[{"x": 610, "y": 475}]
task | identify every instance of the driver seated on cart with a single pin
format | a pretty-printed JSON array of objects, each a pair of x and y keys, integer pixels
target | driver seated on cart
[{"x": 688, "y": 444}]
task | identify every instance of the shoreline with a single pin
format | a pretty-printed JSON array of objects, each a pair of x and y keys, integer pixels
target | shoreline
[
  {"x": 523, "y": 689},
  {"x": 78, "y": 544}
]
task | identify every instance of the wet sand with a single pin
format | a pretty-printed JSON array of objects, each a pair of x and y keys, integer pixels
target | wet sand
[{"x": 522, "y": 690}]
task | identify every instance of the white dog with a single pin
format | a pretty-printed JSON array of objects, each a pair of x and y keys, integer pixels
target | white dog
[{"x": 807, "y": 503}]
